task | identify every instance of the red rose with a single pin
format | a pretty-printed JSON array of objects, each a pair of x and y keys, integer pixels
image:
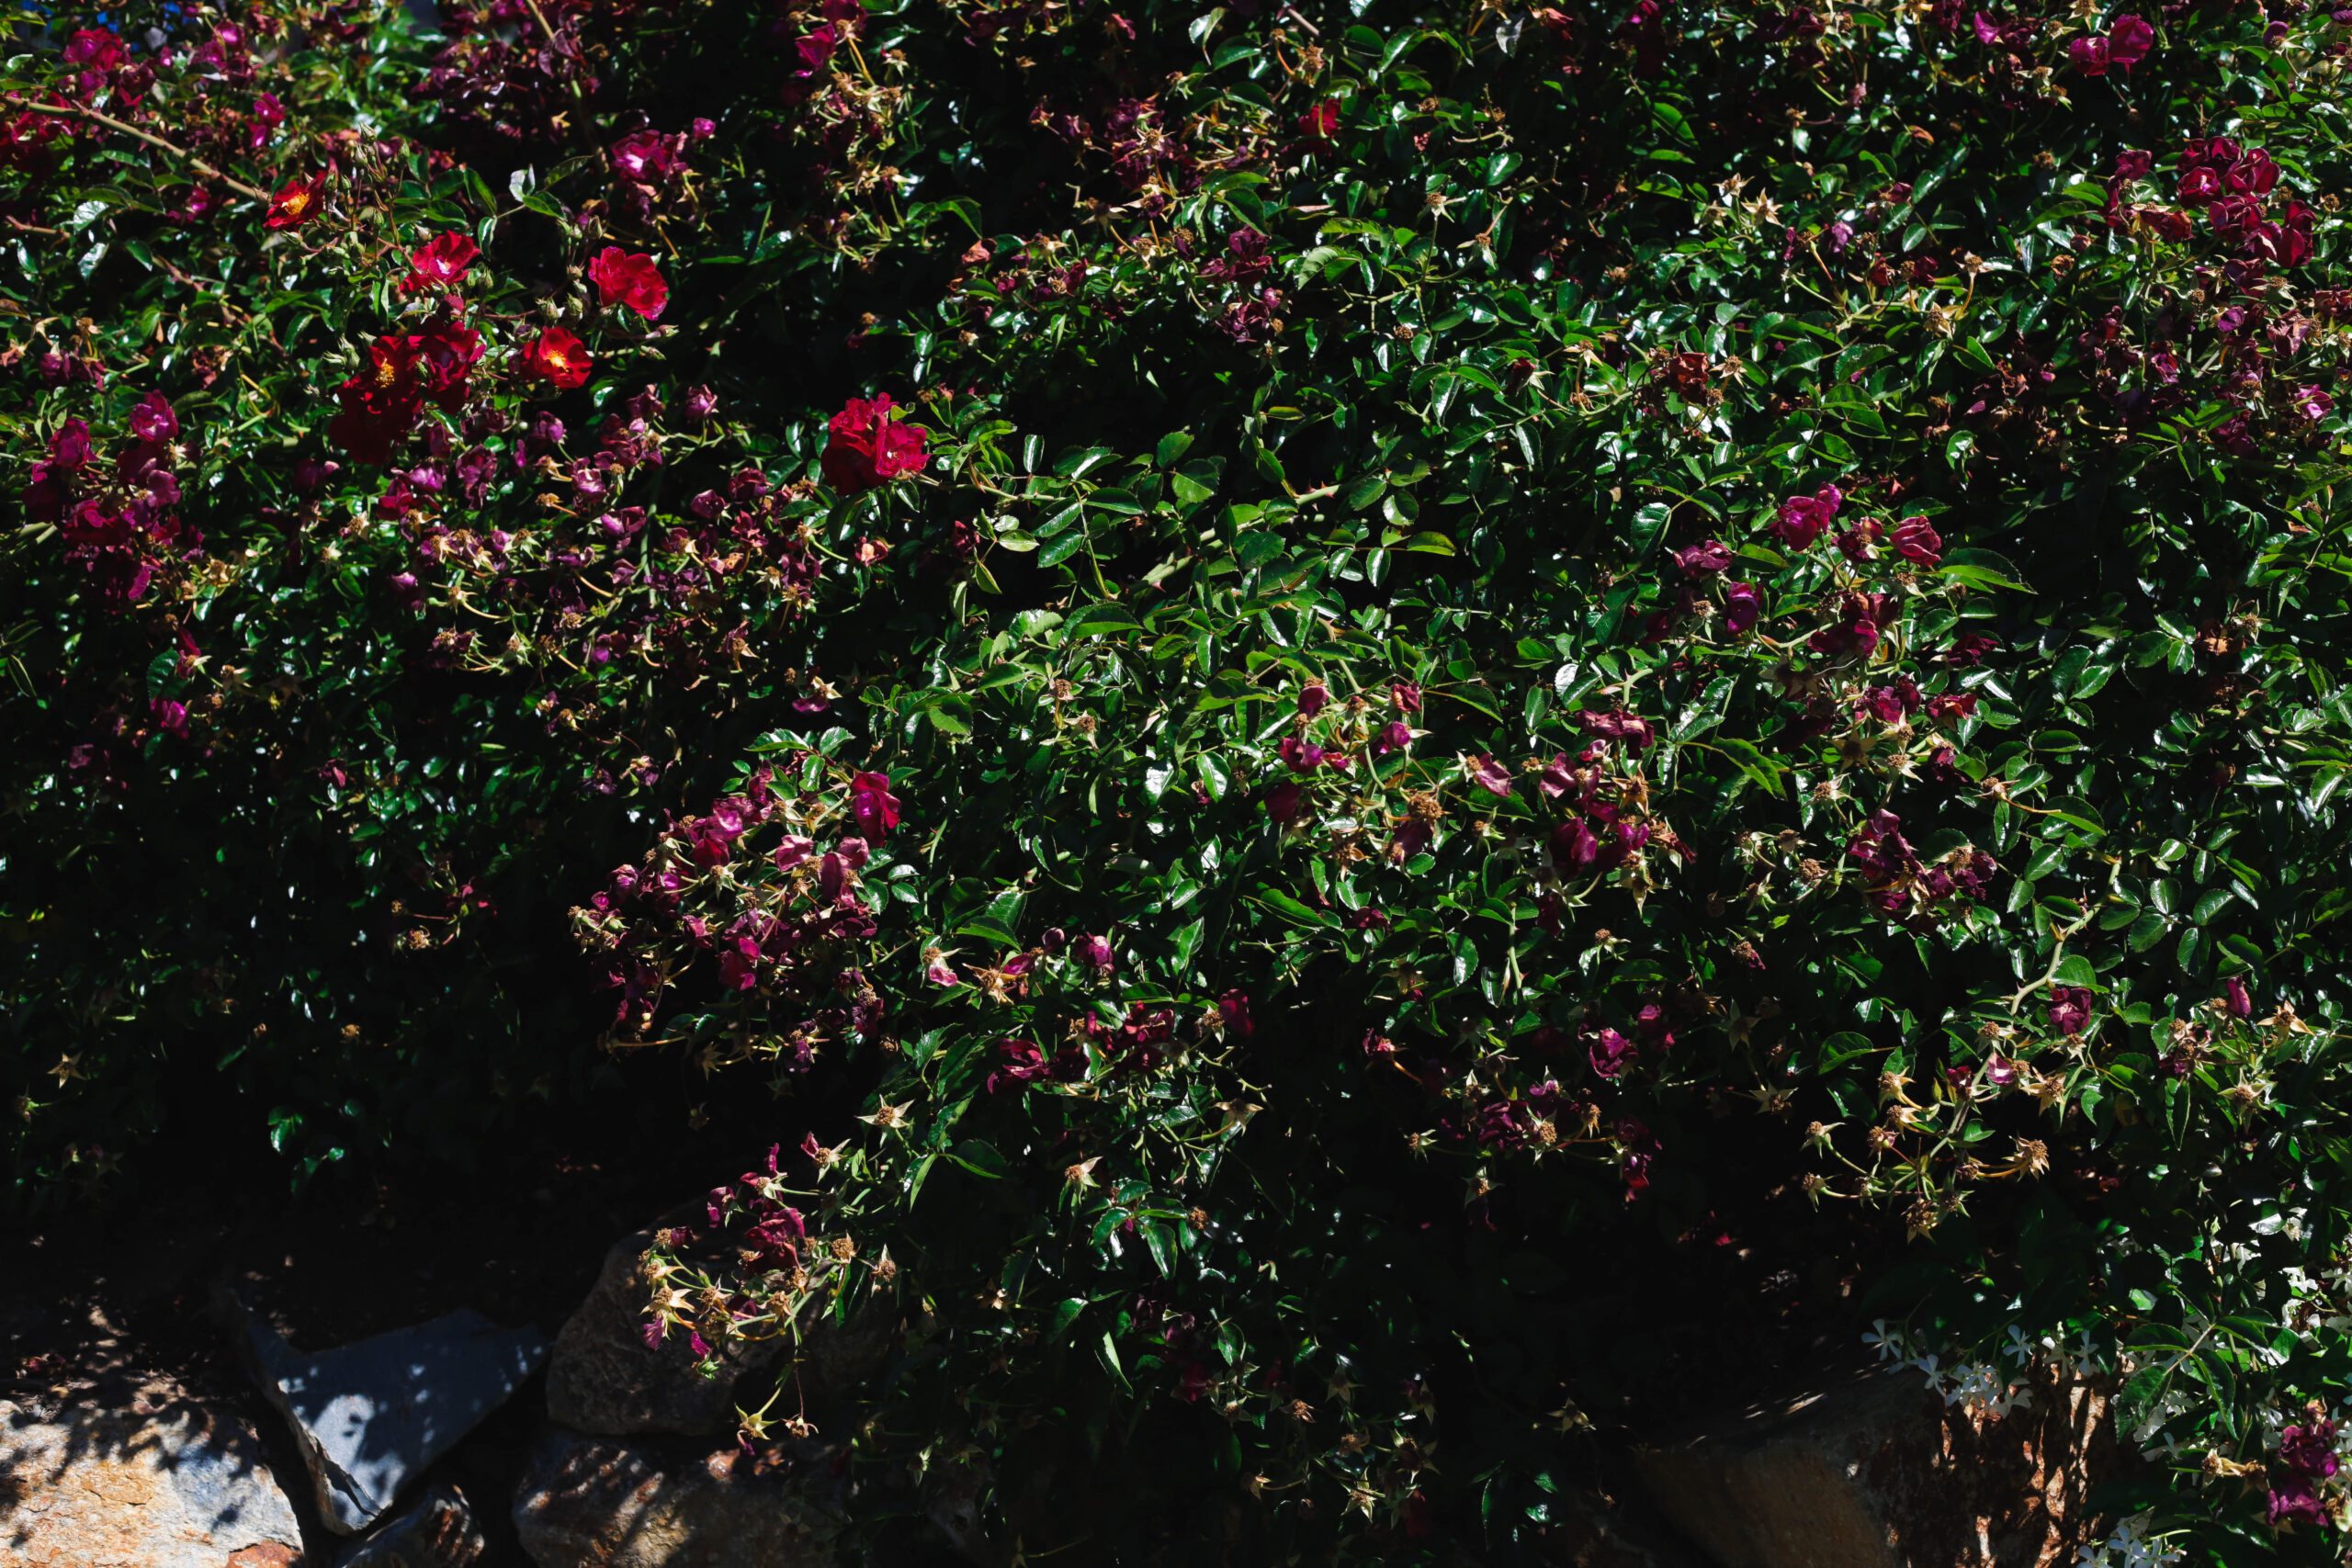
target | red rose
[
  {"x": 379, "y": 405},
  {"x": 869, "y": 447},
  {"x": 557, "y": 357},
  {"x": 445, "y": 355},
  {"x": 624, "y": 279},
  {"x": 1917, "y": 541},
  {"x": 439, "y": 263},
  {"x": 296, "y": 203}
]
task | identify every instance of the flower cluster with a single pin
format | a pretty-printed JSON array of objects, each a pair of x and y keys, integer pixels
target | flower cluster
[{"x": 120, "y": 523}]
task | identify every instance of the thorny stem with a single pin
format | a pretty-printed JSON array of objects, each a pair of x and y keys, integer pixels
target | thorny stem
[{"x": 198, "y": 164}]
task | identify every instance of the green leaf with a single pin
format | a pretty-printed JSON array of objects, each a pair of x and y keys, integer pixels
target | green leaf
[
  {"x": 1101, "y": 620},
  {"x": 1751, "y": 760},
  {"x": 1981, "y": 568}
]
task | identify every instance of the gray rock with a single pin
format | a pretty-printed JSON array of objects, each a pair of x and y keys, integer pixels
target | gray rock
[
  {"x": 182, "y": 1489},
  {"x": 1860, "y": 1469},
  {"x": 604, "y": 1378},
  {"x": 440, "y": 1531},
  {"x": 370, "y": 1418},
  {"x": 601, "y": 1501}
]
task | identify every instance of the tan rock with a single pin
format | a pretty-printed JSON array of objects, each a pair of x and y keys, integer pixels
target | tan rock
[
  {"x": 600, "y": 1502},
  {"x": 1872, "y": 1470},
  {"x": 604, "y": 1378},
  {"x": 182, "y": 1489}
]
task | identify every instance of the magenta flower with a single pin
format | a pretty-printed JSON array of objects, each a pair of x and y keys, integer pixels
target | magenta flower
[
  {"x": 1916, "y": 541},
  {"x": 1574, "y": 847},
  {"x": 2295, "y": 1500},
  {"x": 1851, "y": 638},
  {"x": 1966, "y": 653},
  {"x": 2070, "y": 1010},
  {"x": 2310, "y": 1450},
  {"x": 1234, "y": 1007},
  {"x": 1487, "y": 774},
  {"x": 69, "y": 447},
  {"x": 1741, "y": 607},
  {"x": 1611, "y": 1054},
  {"x": 1703, "y": 559},
  {"x": 2129, "y": 39},
  {"x": 873, "y": 804},
  {"x": 1634, "y": 732},
  {"x": 1313, "y": 698},
  {"x": 1282, "y": 802},
  {"x": 1303, "y": 756},
  {"x": 153, "y": 420},
  {"x": 1804, "y": 518},
  {"x": 2234, "y": 1000},
  {"x": 1094, "y": 952}
]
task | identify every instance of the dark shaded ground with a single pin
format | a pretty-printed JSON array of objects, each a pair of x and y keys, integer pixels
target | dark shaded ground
[
  {"x": 100, "y": 1307},
  {"x": 96, "y": 1305}
]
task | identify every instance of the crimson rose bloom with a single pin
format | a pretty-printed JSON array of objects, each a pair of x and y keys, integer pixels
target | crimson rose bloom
[
  {"x": 296, "y": 203},
  {"x": 1914, "y": 540},
  {"x": 99, "y": 49},
  {"x": 1634, "y": 732},
  {"x": 2238, "y": 1004},
  {"x": 624, "y": 279},
  {"x": 870, "y": 446},
  {"x": 2070, "y": 1010},
  {"x": 439, "y": 262},
  {"x": 871, "y": 802},
  {"x": 555, "y": 356},
  {"x": 1741, "y": 607},
  {"x": 445, "y": 355},
  {"x": 378, "y": 405},
  {"x": 153, "y": 420},
  {"x": 1804, "y": 518},
  {"x": 1703, "y": 559}
]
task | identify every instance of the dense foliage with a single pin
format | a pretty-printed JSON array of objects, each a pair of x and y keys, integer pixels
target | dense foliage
[{"x": 1404, "y": 691}]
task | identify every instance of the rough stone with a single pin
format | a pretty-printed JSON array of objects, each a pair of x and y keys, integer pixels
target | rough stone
[
  {"x": 1588, "y": 1531},
  {"x": 440, "y": 1531},
  {"x": 600, "y": 1502},
  {"x": 370, "y": 1417},
  {"x": 604, "y": 1378},
  {"x": 1869, "y": 1470},
  {"x": 182, "y": 1489}
]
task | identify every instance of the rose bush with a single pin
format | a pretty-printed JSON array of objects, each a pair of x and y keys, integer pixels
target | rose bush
[{"x": 1409, "y": 734}]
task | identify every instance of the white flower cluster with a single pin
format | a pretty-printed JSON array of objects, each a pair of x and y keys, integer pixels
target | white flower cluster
[
  {"x": 2130, "y": 1547},
  {"x": 1981, "y": 1388}
]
